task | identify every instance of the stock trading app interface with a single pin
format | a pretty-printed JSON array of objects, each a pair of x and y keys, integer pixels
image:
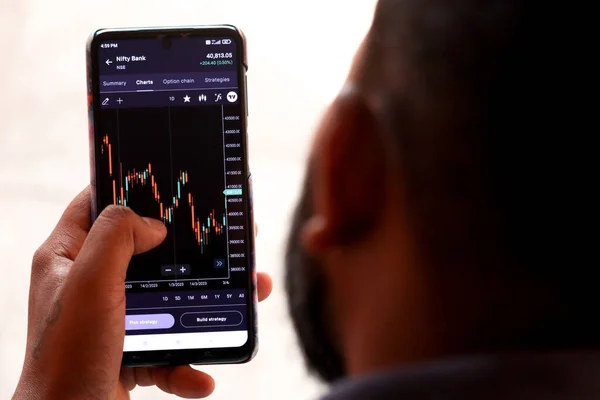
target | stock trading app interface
[{"x": 169, "y": 146}]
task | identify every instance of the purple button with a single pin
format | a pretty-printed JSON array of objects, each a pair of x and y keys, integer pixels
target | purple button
[{"x": 148, "y": 321}]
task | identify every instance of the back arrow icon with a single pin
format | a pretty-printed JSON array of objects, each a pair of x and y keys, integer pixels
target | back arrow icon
[{"x": 108, "y": 62}]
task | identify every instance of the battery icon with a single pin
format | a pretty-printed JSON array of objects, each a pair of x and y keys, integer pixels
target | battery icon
[{"x": 207, "y": 42}]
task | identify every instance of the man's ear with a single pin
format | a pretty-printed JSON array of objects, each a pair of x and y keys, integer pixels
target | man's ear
[{"x": 349, "y": 171}]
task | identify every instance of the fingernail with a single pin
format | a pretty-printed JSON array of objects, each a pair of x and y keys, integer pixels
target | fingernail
[{"x": 154, "y": 223}]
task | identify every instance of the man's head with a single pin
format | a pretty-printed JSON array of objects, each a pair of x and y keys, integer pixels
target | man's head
[{"x": 439, "y": 210}]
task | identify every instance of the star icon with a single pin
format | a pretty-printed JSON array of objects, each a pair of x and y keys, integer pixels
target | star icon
[{"x": 186, "y": 99}]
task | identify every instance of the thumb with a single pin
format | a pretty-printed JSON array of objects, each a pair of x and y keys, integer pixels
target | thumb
[
  {"x": 87, "y": 324},
  {"x": 117, "y": 234}
]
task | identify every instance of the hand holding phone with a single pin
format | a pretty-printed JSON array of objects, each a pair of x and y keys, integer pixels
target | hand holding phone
[{"x": 76, "y": 326}]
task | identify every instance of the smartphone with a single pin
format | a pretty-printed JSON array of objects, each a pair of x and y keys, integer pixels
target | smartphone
[{"x": 168, "y": 138}]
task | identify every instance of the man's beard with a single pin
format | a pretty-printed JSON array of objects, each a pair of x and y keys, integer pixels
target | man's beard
[{"x": 306, "y": 292}]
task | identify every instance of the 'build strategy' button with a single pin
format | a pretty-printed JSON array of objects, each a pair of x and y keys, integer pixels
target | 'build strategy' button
[
  {"x": 211, "y": 319},
  {"x": 149, "y": 321}
]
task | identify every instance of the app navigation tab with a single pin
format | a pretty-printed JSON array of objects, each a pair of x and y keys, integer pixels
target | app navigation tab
[{"x": 173, "y": 81}]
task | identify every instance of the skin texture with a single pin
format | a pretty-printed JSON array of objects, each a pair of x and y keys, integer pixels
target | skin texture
[{"x": 77, "y": 306}]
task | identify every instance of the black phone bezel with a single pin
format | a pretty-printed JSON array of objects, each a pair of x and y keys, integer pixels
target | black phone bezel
[{"x": 188, "y": 356}]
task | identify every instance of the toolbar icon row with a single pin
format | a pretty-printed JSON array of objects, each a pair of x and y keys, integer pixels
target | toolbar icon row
[{"x": 231, "y": 97}]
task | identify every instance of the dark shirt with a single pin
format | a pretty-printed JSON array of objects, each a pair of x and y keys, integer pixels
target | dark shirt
[{"x": 566, "y": 376}]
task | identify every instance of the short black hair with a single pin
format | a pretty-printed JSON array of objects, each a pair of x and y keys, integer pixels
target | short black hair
[{"x": 487, "y": 105}]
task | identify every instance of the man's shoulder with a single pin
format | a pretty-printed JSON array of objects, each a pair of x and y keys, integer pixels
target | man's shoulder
[{"x": 549, "y": 377}]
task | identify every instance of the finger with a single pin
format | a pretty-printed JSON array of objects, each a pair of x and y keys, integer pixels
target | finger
[
  {"x": 264, "y": 285},
  {"x": 115, "y": 237},
  {"x": 255, "y": 229},
  {"x": 128, "y": 378},
  {"x": 69, "y": 234},
  {"x": 93, "y": 294},
  {"x": 143, "y": 376},
  {"x": 183, "y": 381}
]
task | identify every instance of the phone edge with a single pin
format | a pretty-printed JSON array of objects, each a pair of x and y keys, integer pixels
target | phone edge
[{"x": 253, "y": 340}]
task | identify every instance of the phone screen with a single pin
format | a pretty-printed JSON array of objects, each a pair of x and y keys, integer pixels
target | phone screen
[{"x": 169, "y": 142}]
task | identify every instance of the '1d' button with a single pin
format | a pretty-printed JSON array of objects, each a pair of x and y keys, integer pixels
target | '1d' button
[{"x": 148, "y": 322}]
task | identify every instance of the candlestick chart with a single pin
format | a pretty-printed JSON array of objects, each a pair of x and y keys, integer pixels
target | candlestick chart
[
  {"x": 168, "y": 164},
  {"x": 128, "y": 180}
]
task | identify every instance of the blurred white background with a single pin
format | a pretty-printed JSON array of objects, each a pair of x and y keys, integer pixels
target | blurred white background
[{"x": 299, "y": 53}]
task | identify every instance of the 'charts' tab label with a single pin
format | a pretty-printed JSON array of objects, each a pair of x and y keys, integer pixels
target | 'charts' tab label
[{"x": 141, "y": 82}]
